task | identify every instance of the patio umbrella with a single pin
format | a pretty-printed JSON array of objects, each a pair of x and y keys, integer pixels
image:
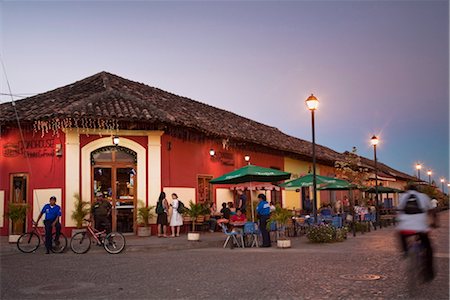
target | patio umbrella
[
  {"x": 382, "y": 189},
  {"x": 339, "y": 185},
  {"x": 307, "y": 180},
  {"x": 251, "y": 173}
]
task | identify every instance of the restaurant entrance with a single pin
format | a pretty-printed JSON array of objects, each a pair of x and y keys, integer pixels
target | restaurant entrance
[{"x": 114, "y": 174}]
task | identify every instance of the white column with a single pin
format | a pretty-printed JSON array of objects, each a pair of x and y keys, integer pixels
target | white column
[
  {"x": 154, "y": 166},
  {"x": 72, "y": 159}
]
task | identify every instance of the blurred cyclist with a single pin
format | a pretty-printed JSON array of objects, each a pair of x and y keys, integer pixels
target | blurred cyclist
[{"x": 414, "y": 208}]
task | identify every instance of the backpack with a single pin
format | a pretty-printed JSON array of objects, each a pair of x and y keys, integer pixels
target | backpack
[
  {"x": 181, "y": 207},
  {"x": 159, "y": 208},
  {"x": 412, "y": 206}
]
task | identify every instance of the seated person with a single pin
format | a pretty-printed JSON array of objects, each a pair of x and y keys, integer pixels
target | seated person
[
  {"x": 225, "y": 211},
  {"x": 212, "y": 220},
  {"x": 239, "y": 217},
  {"x": 231, "y": 208}
]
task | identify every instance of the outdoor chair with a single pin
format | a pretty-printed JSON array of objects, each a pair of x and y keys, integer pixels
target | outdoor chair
[
  {"x": 231, "y": 235},
  {"x": 251, "y": 231},
  {"x": 300, "y": 226},
  {"x": 336, "y": 222}
]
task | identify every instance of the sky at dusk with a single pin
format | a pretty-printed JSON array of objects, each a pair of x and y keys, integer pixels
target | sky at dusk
[{"x": 377, "y": 67}]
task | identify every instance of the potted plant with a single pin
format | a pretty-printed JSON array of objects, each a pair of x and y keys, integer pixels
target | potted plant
[
  {"x": 144, "y": 213},
  {"x": 17, "y": 212},
  {"x": 281, "y": 216},
  {"x": 82, "y": 209},
  {"x": 194, "y": 211}
]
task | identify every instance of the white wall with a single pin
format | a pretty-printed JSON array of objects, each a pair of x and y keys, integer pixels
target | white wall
[
  {"x": 223, "y": 195},
  {"x": 42, "y": 197},
  {"x": 72, "y": 174}
]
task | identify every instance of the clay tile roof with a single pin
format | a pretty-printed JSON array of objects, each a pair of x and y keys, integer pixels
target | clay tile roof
[{"x": 107, "y": 96}]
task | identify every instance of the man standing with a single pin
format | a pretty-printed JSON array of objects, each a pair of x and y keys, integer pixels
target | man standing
[
  {"x": 102, "y": 212},
  {"x": 242, "y": 202},
  {"x": 263, "y": 211},
  {"x": 52, "y": 214}
]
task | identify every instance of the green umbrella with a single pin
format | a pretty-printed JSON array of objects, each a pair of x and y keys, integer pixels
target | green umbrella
[
  {"x": 382, "y": 189},
  {"x": 339, "y": 185},
  {"x": 307, "y": 180},
  {"x": 251, "y": 173}
]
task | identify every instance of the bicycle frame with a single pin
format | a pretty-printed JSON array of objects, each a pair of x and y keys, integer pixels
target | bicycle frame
[{"x": 94, "y": 232}]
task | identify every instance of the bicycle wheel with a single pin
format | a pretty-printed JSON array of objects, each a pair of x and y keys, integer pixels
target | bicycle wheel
[
  {"x": 114, "y": 242},
  {"x": 28, "y": 242},
  {"x": 80, "y": 243},
  {"x": 413, "y": 265},
  {"x": 60, "y": 245}
]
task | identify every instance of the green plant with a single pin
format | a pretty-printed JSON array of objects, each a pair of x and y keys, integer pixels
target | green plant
[
  {"x": 81, "y": 210},
  {"x": 280, "y": 216},
  {"x": 194, "y": 210},
  {"x": 17, "y": 211},
  {"x": 144, "y": 213},
  {"x": 325, "y": 233}
]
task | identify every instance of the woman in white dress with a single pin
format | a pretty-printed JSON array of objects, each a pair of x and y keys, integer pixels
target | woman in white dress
[{"x": 176, "y": 219}]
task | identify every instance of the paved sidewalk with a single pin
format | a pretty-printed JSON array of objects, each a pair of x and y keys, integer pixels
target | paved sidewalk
[{"x": 216, "y": 240}]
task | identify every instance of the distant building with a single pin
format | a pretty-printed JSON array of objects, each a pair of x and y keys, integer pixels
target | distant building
[{"x": 65, "y": 147}]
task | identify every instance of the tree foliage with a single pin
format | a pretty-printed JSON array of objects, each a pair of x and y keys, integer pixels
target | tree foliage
[{"x": 351, "y": 168}]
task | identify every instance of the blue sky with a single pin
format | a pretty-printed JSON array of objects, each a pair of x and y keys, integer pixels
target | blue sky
[{"x": 377, "y": 67}]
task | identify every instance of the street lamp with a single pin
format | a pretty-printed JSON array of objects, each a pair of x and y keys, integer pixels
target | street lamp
[
  {"x": 312, "y": 103},
  {"x": 247, "y": 159},
  {"x": 374, "y": 142},
  {"x": 418, "y": 167},
  {"x": 429, "y": 176},
  {"x": 442, "y": 184}
]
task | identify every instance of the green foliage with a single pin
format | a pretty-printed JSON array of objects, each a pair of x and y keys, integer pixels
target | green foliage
[
  {"x": 351, "y": 168},
  {"x": 194, "y": 210},
  {"x": 144, "y": 213},
  {"x": 81, "y": 210},
  {"x": 325, "y": 233},
  {"x": 433, "y": 192},
  {"x": 280, "y": 216},
  {"x": 17, "y": 211}
]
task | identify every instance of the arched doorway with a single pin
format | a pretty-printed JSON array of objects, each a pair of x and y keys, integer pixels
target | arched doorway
[{"x": 114, "y": 173}]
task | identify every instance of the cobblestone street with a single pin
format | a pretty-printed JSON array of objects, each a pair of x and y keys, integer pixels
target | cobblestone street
[{"x": 307, "y": 271}]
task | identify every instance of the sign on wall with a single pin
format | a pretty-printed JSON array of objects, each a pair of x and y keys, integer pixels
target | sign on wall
[{"x": 32, "y": 148}]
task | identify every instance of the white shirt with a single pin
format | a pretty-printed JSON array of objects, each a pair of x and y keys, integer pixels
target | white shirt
[
  {"x": 417, "y": 221},
  {"x": 434, "y": 203}
]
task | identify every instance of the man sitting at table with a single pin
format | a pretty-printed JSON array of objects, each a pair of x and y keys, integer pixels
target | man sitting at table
[{"x": 239, "y": 217}]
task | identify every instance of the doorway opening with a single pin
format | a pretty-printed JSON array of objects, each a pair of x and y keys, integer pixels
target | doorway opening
[{"x": 114, "y": 174}]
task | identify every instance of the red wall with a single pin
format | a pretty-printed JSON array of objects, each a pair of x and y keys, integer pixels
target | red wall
[
  {"x": 44, "y": 168},
  {"x": 184, "y": 161}
]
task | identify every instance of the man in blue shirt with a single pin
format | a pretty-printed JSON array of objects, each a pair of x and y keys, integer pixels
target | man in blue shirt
[
  {"x": 263, "y": 211},
  {"x": 52, "y": 214}
]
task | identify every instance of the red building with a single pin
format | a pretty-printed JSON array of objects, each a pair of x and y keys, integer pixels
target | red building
[{"x": 61, "y": 143}]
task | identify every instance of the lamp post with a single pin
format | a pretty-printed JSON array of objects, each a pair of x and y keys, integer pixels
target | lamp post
[
  {"x": 429, "y": 176},
  {"x": 418, "y": 167},
  {"x": 442, "y": 184},
  {"x": 374, "y": 141},
  {"x": 312, "y": 103}
]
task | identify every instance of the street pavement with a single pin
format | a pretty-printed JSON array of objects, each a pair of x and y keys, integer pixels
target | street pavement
[{"x": 152, "y": 268}]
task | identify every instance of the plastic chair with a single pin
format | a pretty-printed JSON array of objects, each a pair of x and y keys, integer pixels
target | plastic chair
[
  {"x": 251, "y": 229},
  {"x": 336, "y": 222},
  {"x": 230, "y": 235}
]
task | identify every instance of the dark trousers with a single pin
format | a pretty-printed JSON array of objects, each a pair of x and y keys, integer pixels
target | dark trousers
[
  {"x": 429, "y": 270},
  {"x": 263, "y": 227},
  {"x": 102, "y": 223},
  {"x": 48, "y": 233}
]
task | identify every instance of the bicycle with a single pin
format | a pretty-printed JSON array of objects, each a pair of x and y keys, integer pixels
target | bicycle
[
  {"x": 113, "y": 242},
  {"x": 30, "y": 241}
]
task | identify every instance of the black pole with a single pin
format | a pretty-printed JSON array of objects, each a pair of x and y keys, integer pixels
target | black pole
[
  {"x": 314, "y": 168},
  {"x": 377, "y": 208},
  {"x": 429, "y": 179},
  {"x": 418, "y": 173}
]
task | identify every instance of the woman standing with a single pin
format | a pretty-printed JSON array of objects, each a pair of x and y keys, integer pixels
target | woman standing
[
  {"x": 161, "y": 209},
  {"x": 176, "y": 219}
]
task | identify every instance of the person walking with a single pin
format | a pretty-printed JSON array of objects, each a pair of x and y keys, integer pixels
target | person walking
[
  {"x": 414, "y": 208},
  {"x": 263, "y": 211},
  {"x": 176, "y": 219},
  {"x": 102, "y": 213},
  {"x": 52, "y": 213},
  {"x": 161, "y": 209}
]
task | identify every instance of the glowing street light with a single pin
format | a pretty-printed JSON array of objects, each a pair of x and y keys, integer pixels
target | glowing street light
[
  {"x": 374, "y": 142},
  {"x": 247, "y": 158},
  {"x": 442, "y": 184},
  {"x": 429, "y": 176},
  {"x": 418, "y": 167},
  {"x": 312, "y": 103}
]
